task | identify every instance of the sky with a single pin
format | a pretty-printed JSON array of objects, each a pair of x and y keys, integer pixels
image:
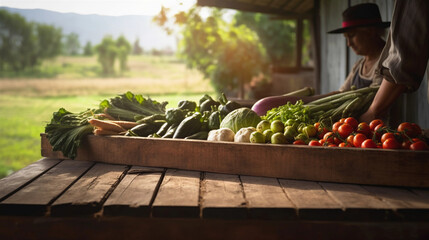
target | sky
[{"x": 102, "y": 7}]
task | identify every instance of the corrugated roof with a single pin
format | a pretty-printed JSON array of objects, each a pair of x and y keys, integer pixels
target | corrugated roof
[{"x": 279, "y": 7}]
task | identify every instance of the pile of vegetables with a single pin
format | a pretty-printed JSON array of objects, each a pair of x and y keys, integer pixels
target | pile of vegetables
[
  {"x": 130, "y": 114},
  {"x": 325, "y": 110},
  {"x": 330, "y": 121},
  {"x": 346, "y": 132},
  {"x": 66, "y": 130},
  {"x": 114, "y": 116}
]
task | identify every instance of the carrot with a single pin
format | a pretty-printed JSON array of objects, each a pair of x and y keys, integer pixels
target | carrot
[
  {"x": 125, "y": 124},
  {"x": 106, "y": 125},
  {"x": 100, "y": 132}
]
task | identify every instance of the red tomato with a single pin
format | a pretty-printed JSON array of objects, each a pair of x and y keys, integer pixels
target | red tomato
[
  {"x": 391, "y": 143},
  {"x": 379, "y": 130},
  {"x": 406, "y": 145},
  {"x": 345, "y": 130},
  {"x": 299, "y": 142},
  {"x": 364, "y": 128},
  {"x": 387, "y": 135},
  {"x": 374, "y": 123},
  {"x": 322, "y": 142},
  {"x": 329, "y": 137},
  {"x": 368, "y": 143},
  {"x": 349, "y": 140},
  {"x": 317, "y": 125},
  {"x": 321, "y": 132},
  {"x": 332, "y": 145},
  {"x": 352, "y": 122},
  {"x": 418, "y": 146},
  {"x": 337, "y": 141},
  {"x": 342, "y": 120},
  {"x": 336, "y": 126},
  {"x": 344, "y": 144},
  {"x": 416, "y": 128},
  {"x": 314, "y": 143},
  {"x": 408, "y": 129},
  {"x": 358, "y": 139}
]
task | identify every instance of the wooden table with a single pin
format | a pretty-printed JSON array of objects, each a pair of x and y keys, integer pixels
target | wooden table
[{"x": 69, "y": 199}]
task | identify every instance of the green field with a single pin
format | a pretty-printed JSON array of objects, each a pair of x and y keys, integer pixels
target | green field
[{"x": 27, "y": 104}]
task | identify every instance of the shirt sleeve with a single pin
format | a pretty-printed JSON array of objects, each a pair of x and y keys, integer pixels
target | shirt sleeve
[{"x": 406, "y": 53}]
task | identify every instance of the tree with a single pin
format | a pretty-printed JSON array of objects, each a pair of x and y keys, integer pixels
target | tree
[
  {"x": 137, "y": 50},
  {"x": 71, "y": 44},
  {"x": 226, "y": 53},
  {"x": 277, "y": 36},
  {"x": 107, "y": 53},
  {"x": 49, "y": 41},
  {"x": 88, "y": 50},
  {"x": 17, "y": 40},
  {"x": 123, "y": 50},
  {"x": 24, "y": 44}
]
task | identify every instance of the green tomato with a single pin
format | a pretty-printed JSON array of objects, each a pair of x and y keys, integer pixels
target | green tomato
[
  {"x": 309, "y": 130},
  {"x": 257, "y": 137},
  {"x": 302, "y": 137},
  {"x": 268, "y": 133},
  {"x": 278, "y": 138},
  {"x": 290, "y": 133},
  {"x": 301, "y": 126},
  {"x": 290, "y": 122},
  {"x": 263, "y": 125},
  {"x": 277, "y": 126}
]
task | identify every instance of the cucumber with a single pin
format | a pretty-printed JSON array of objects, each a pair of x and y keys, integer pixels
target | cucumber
[{"x": 203, "y": 135}]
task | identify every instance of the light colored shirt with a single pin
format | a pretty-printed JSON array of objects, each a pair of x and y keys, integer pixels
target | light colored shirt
[
  {"x": 405, "y": 56},
  {"x": 358, "y": 69}
]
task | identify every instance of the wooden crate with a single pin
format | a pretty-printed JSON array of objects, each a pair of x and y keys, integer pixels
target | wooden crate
[{"x": 343, "y": 165}]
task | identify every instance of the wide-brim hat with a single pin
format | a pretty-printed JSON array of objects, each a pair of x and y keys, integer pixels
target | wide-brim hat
[{"x": 361, "y": 15}]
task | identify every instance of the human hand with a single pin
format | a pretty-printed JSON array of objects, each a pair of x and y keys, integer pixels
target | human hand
[{"x": 367, "y": 117}]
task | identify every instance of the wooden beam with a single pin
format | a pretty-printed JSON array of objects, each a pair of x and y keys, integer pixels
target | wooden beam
[
  {"x": 244, "y": 7},
  {"x": 299, "y": 39},
  {"x": 315, "y": 42}
]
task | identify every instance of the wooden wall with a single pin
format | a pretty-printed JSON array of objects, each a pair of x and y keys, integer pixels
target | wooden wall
[{"x": 336, "y": 59}]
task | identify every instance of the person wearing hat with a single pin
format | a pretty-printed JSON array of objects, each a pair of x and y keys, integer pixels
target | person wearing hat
[{"x": 364, "y": 30}]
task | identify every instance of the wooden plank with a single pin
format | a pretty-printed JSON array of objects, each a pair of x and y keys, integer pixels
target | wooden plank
[
  {"x": 88, "y": 193},
  {"x": 408, "y": 205},
  {"x": 34, "y": 198},
  {"x": 222, "y": 197},
  {"x": 311, "y": 200},
  {"x": 16, "y": 180},
  {"x": 212, "y": 229},
  {"x": 178, "y": 195},
  {"x": 133, "y": 196},
  {"x": 343, "y": 165},
  {"x": 266, "y": 199},
  {"x": 357, "y": 202},
  {"x": 424, "y": 193}
]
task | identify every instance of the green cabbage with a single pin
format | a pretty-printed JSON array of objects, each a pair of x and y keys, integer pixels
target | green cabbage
[{"x": 240, "y": 118}]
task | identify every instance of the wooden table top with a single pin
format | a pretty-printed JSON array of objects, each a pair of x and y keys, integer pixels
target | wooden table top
[{"x": 53, "y": 188}]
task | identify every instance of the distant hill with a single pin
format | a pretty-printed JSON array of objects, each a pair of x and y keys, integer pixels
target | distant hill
[{"x": 94, "y": 27}]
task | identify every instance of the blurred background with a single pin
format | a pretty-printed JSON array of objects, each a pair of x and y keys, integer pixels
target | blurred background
[{"x": 74, "y": 54}]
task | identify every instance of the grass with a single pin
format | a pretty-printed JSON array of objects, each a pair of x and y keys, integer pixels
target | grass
[{"x": 27, "y": 104}]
